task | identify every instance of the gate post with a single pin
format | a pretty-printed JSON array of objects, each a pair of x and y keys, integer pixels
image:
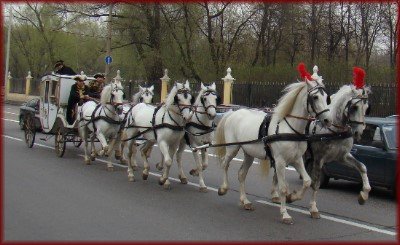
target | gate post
[
  {"x": 164, "y": 86},
  {"x": 228, "y": 80},
  {"x": 28, "y": 84},
  {"x": 8, "y": 83}
]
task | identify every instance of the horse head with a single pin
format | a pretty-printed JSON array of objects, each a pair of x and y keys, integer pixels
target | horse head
[
  {"x": 209, "y": 99},
  {"x": 116, "y": 96},
  {"x": 355, "y": 110},
  {"x": 317, "y": 98},
  {"x": 181, "y": 97},
  {"x": 146, "y": 94}
]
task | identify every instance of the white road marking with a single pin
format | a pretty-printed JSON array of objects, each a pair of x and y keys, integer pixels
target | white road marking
[
  {"x": 338, "y": 220},
  {"x": 342, "y": 221},
  {"x": 6, "y": 119},
  {"x": 12, "y": 113}
]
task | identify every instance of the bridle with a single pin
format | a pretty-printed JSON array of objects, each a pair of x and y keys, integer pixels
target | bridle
[
  {"x": 181, "y": 107},
  {"x": 147, "y": 93},
  {"x": 350, "y": 109},
  {"x": 203, "y": 104},
  {"x": 310, "y": 102},
  {"x": 115, "y": 88}
]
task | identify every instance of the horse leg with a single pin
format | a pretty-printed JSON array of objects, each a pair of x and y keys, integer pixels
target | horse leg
[
  {"x": 144, "y": 150},
  {"x": 110, "y": 166},
  {"x": 83, "y": 134},
  {"x": 247, "y": 162},
  {"x": 298, "y": 195},
  {"x": 160, "y": 165},
  {"x": 182, "y": 176},
  {"x": 131, "y": 157},
  {"x": 231, "y": 152},
  {"x": 280, "y": 166},
  {"x": 274, "y": 191},
  {"x": 168, "y": 162},
  {"x": 350, "y": 161},
  {"x": 204, "y": 162},
  {"x": 103, "y": 142},
  {"x": 119, "y": 149},
  {"x": 315, "y": 176},
  {"x": 92, "y": 147},
  {"x": 199, "y": 172}
]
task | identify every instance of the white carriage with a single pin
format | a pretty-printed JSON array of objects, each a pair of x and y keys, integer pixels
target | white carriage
[{"x": 54, "y": 94}]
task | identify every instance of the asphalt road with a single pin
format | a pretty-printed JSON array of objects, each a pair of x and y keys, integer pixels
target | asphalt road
[{"x": 51, "y": 198}]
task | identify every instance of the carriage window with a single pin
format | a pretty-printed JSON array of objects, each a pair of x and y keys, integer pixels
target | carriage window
[
  {"x": 53, "y": 87},
  {"x": 46, "y": 92}
]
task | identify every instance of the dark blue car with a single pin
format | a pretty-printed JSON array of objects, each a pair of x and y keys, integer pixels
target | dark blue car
[{"x": 377, "y": 149}]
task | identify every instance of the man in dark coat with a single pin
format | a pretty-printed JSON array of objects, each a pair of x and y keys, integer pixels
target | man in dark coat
[
  {"x": 78, "y": 95},
  {"x": 61, "y": 69},
  {"x": 95, "y": 87}
]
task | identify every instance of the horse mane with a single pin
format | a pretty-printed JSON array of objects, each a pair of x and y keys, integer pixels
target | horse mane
[
  {"x": 287, "y": 101},
  {"x": 105, "y": 94},
  {"x": 201, "y": 92},
  {"x": 136, "y": 97},
  {"x": 170, "y": 98}
]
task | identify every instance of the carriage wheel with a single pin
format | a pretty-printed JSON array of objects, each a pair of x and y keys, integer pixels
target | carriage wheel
[
  {"x": 60, "y": 142},
  {"x": 30, "y": 131},
  {"x": 77, "y": 141}
]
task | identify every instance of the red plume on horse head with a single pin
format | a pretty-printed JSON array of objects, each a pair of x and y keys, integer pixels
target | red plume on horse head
[
  {"x": 303, "y": 71},
  {"x": 358, "y": 77}
]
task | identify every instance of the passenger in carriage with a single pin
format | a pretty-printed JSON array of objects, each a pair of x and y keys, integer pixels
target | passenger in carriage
[
  {"x": 78, "y": 95},
  {"x": 95, "y": 87},
  {"x": 60, "y": 68}
]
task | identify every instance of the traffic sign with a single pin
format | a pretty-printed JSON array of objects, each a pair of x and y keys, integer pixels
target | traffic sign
[{"x": 108, "y": 60}]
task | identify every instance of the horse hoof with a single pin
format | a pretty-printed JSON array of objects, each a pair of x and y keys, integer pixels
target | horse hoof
[
  {"x": 117, "y": 157},
  {"x": 248, "y": 206},
  {"x": 124, "y": 161},
  {"x": 161, "y": 181},
  {"x": 194, "y": 172},
  {"x": 110, "y": 169},
  {"x": 276, "y": 200},
  {"x": 167, "y": 187},
  {"x": 92, "y": 158},
  {"x": 289, "y": 198},
  {"x": 361, "y": 200},
  {"x": 203, "y": 189},
  {"x": 87, "y": 161},
  {"x": 135, "y": 168},
  {"x": 222, "y": 191},
  {"x": 288, "y": 221},
  {"x": 131, "y": 179},
  {"x": 315, "y": 215},
  {"x": 159, "y": 167},
  {"x": 183, "y": 180},
  {"x": 145, "y": 176}
]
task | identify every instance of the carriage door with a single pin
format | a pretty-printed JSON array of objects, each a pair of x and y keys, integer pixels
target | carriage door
[
  {"x": 44, "y": 106},
  {"x": 48, "y": 110}
]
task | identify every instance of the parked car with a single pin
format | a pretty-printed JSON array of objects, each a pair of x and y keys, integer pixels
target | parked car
[
  {"x": 31, "y": 106},
  {"x": 377, "y": 149}
]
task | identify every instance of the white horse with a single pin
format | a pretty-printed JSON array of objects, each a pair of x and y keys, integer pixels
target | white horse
[
  {"x": 164, "y": 125},
  {"x": 103, "y": 120},
  {"x": 348, "y": 109},
  {"x": 290, "y": 117},
  {"x": 144, "y": 95},
  {"x": 199, "y": 131}
]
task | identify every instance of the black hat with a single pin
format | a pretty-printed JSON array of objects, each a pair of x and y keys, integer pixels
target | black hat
[
  {"x": 58, "y": 62},
  {"x": 99, "y": 75}
]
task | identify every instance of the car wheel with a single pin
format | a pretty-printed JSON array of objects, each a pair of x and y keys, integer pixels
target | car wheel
[
  {"x": 323, "y": 180},
  {"x": 21, "y": 123}
]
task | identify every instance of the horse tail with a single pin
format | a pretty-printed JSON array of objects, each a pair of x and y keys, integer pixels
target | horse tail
[
  {"x": 220, "y": 136},
  {"x": 265, "y": 165}
]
